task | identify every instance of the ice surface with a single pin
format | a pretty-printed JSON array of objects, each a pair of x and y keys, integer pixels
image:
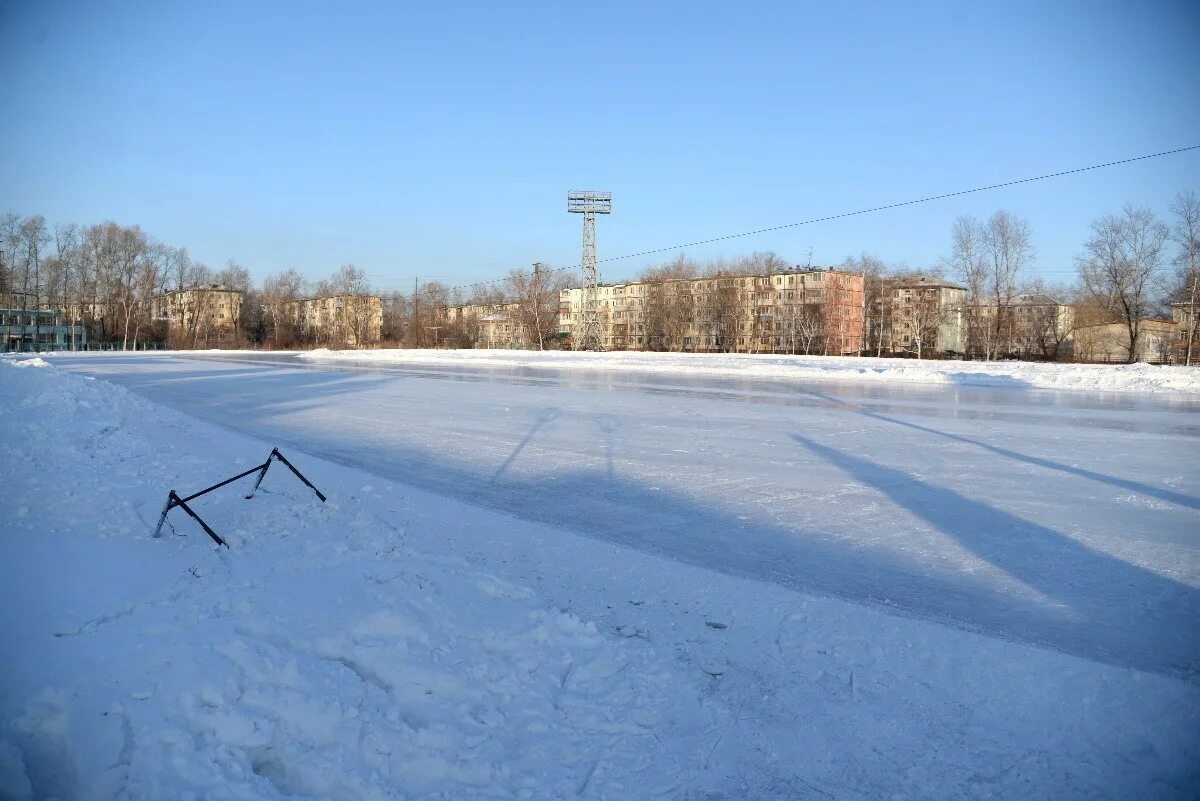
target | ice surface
[{"x": 1078, "y": 377}]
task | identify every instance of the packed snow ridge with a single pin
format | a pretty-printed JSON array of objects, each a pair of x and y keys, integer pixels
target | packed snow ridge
[
  {"x": 1030, "y": 375},
  {"x": 395, "y": 644}
]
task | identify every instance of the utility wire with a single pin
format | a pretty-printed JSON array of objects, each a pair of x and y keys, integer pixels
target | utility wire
[{"x": 859, "y": 212}]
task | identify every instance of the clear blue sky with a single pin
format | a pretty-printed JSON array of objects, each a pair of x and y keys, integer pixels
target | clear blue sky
[{"x": 440, "y": 139}]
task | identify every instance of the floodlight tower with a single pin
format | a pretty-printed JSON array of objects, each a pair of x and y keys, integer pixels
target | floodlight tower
[{"x": 589, "y": 204}]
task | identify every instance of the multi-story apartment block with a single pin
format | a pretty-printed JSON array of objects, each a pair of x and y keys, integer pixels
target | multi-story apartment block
[
  {"x": 338, "y": 320},
  {"x": 490, "y": 325},
  {"x": 809, "y": 311},
  {"x": 924, "y": 315},
  {"x": 1030, "y": 326},
  {"x": 205, "y": 315}
]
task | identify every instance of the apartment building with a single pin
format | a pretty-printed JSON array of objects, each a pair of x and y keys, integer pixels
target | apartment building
[
  {"x": 1030, "y": 326},
  {"x": 922, "y": 315},
  {"x": 489, "y": 325},
  {"x": 337, "y": 320},
  {"x": 200, "y": 316},
  {"x": 809, "y": 311}
]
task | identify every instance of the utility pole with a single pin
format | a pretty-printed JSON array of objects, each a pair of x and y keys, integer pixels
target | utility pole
[
  {"x": 862, "y": 340},
  {"x": 537, "y": 303},
  {"x": 589, "y": 204},
  {"x": 37, "y": 296}
]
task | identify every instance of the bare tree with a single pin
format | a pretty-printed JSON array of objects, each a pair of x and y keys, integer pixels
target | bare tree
[
  {"x": 429, "y": 325},
  {"x": 968, "y": 263},
  {"x": 1008, "y": 251},
  {"x": 536, "y": 294},
  {"x": 761, "y": 263},
  {"x": 279, "y": 296},
  {"x": 1121, "y": 259},
  {"x": 1043, "y": 323},
  {"x": 1186, "y": 292}
]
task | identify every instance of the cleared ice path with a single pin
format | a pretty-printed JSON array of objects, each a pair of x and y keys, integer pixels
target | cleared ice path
[{"x": 1068, "y": 520}]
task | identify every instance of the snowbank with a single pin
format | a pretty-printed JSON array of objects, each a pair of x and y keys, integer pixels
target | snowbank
[
  {"x": 390, "y": 643},
  {"x": 1086, "y": 377},
  {"x": 36, "y": 361}
]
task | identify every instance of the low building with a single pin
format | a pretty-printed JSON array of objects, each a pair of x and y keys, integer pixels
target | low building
[
  {"x": 200, "y": 316},
  {"x": 1109, "y": 342},
  {"x": 39, "y": 329},
  {"x": 1187, "y": 333}
]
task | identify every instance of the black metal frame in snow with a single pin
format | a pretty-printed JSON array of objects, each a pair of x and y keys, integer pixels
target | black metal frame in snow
[{"x": 174, "y": 500}]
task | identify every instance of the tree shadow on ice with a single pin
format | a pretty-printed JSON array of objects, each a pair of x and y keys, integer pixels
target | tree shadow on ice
[
  {"x": 1115, "y": 605},
  {"x": 1108, "y": 610},
  {"x": 1038, "y": 461}
]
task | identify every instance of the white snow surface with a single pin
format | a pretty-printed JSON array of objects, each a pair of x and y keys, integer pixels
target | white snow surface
[
  {"x": 35, "y": 361},
  {"x": 392, "y": 643},
  {"x": 1078, "y": 377}
]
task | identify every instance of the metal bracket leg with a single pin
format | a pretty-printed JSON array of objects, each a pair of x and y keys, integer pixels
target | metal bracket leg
[
  {"x": 261, "y": 475},
  {"x": 216, "y": 538},
  {"x": 275, "y": 452},
  {"x": 163, "y": 517}
]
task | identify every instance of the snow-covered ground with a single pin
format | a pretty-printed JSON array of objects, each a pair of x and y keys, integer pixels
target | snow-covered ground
[
  {"x": 1086, "y": 377},
  {"x": 614, "y": 590}
]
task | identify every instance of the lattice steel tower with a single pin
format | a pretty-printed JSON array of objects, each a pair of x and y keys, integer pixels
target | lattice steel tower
[{"x": 589, "y": 204}]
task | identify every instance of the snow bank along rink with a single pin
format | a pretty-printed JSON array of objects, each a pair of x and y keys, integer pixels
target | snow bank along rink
[
  {"x": 396, "y": 644},
  {"x": 1030, "y": 375}
]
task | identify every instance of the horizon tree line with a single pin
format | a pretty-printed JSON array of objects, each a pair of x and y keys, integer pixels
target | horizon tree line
[{"x": 106, "y": 276}]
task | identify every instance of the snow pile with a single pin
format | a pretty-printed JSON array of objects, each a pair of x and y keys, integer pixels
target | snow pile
[
  {"x": 36, "y": 361},
  {"x": 391, "y": 643},
  {"x": 1028, "y": 375}
]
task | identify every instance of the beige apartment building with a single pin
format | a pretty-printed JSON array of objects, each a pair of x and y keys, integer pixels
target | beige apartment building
[
  {"x": 923, "y": 316},
  {"x": 201, "y": 316},
  {"x": 337, "y": 320},
  {"x": 1032, "y": 326},
  {"x": 489, "y": 325},
  {"x": 810, "y": 311}
]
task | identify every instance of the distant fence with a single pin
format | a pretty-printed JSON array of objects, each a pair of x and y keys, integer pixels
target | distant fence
[{"x": 50, "y": 347}]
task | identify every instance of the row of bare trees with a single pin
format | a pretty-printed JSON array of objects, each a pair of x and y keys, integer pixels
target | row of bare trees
[
  {"x": 106, "y": 275},
  {"x": 1123, "y": 269},
  {"x": 1124, "y": 277},
  {"x": 526, "y": 302},
  {"x": 277, "y": 319},
  {"x": 102, "y": 276}
]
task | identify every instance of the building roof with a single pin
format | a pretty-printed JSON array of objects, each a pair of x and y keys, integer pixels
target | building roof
[
  {"x": 1033, "y": 299},
  {"x": 723, "y": 276},
  {"x": 201, "y": 288},
  {"x": 927, "y": 282}
]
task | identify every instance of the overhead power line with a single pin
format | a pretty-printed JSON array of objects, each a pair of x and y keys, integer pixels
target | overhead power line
[{"x": 859, "y": 212}]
